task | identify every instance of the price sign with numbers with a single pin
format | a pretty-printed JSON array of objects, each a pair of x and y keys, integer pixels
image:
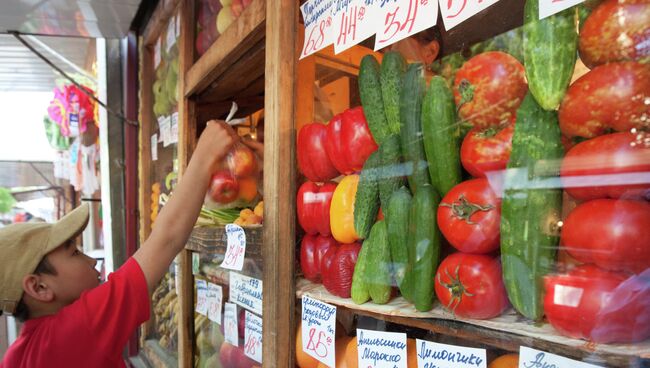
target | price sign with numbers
[
  {"x": 246, "y": 291},
  {"x": 535, "y": 358},
  {"x": 215, "y": 296},
  {"x": 380, "y": 349},
  {"x": 319, "y": 330},
  {"x": 550, "y": 7},
  {"x": 319, "y": 30},
  {"x": 253, "y": 337},
  {"x": 454, "y": 12},
  {"x": 354, "y": 21},
  {"x": 402, "y": 18},
  {"x": 202, "y": 297},
  {"x": 431, "y": 354},
  {"x": 230, "y": 325},
  {"x": 236, "y": 239}
]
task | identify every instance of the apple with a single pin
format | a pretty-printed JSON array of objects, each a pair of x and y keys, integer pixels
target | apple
[
  {"x": 236, "y": 6},
  {"x": 241, "y": 161},
  {"x": 205, "y": 15},
  {"x": 223, "y": 187},
  {"x": 239, "y": 358},
  {"x": 224, "y": 19},
  {"x": 226, "y": 354}
]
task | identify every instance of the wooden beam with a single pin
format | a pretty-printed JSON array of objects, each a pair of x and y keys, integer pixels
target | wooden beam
[{"x": 159, "y": 20}]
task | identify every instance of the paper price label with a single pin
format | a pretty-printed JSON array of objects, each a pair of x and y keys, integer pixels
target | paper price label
[
  {"x": 246, "y": 291},
  {"x": 378, "y": 349},
  {"x": 154, "y": 147},
  {"x": 319, "y": 330},
  {"x": 400, "y": 19},
  {"x": 253, "y": 337},
  {"x": 173, "y": 130},
  {"x": 550, "y": 7},
  {"x": 531, "y": 358},
  {"x": 236, "y": 239},
  {"x": 319, "y": 30},
  {"x": 431, "y": 354},
  {"x": 454, "y": 12},
  {"x": 354, "y": 21},
  {"x": 215, "y": 297},
  {"x": 230, "y": 325},
  {"x": 170, "y": 40},
  {"x": 166, "y": 130},
  {"x": 202, "y": 297}
]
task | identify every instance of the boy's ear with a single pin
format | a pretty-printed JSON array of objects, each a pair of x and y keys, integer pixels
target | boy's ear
[{"x": 36, "y": 288}]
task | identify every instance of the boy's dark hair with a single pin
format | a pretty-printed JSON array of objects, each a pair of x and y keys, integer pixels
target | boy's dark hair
[{"x": 44, "y": 267}]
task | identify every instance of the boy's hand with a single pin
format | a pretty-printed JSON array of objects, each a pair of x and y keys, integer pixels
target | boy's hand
[{"x": 215, "y": 142}]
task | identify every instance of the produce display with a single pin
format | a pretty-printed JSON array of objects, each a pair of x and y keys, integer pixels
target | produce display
[
  {"x": 213, "y": 18},
  {"x": 166, "y": 308},
  {"x": 165, "y": 85}
]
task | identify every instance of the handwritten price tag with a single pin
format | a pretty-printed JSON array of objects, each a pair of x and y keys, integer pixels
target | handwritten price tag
[
  {"x": 154, "y": 147},
  {"x": 230, "y": 325},
  {"x": 381, "y": 349},
  {"x": 531, "y": 358},
  {"x": 215, "y": 297},
  {"x": 403, "y": 18},
  {"x": 319, "y": 330},
  {"x": 431, "y": 354},
  {"x": 234, "y": 258},
  {"x": 454, "y": 12},
  {"x": 253, "y": 337},
  {"x": 202, "y": 297},
  {"x": 550, "y": 7},
  {"x": 319, "y": 32},
  {"x": 173, "y": 130},
  {"x": 354, "y": 21},
  {"x": 246, "y": 291}
]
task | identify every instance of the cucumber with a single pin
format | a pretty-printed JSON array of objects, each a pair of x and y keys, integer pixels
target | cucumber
[
  {"x": 413, "y": 89},
  {"x": 550, "y": 51},
  {"x": 531, "y": 209},
  {"x": 424, "y": 245},
  {"x": 393, "y": 67},
  {"x": 377, "y": 273},
  {"x": 359, "y": 290},
  {"x": 391, "y": 175},
  {"x": 441, "y": 136},
  {"x": 371, "y": 99},
  {"x": 397, "y": 225},
  {"x": 366, "y": 202}
]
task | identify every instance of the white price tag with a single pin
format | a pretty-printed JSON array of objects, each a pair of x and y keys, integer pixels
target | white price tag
[
  {"x": 531, "y": 358},
  {"x": 201, "y": 297},
  {"x": 354, "y": 21},
  {"x": 157, "y": 53},
  {"x": 166, "y": 130},
  {"x": 173, "y": 131},
  {"x": 550, "y": 7},
  {"x": 234, "y": 257},
  {"x": 319, "y": 330},
  {"x": 455, "y": 12},
  {"x": 400, "y": 19},
  {"x": 154, "y": 147},
  {"x": 253, "y": 337},
  {"x": 230, "y": 325},
  {"x": 381, "y": 349},
  {"x": 246, "y": 291},
  {"x": 431, "y": 354},
  {"x": 215, "y": 297},
  {"x": 170, "y": 40},
  {"x": 319, "y": 30}
]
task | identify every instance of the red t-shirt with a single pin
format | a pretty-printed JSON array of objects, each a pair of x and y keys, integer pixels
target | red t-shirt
[{"x": 91, "y": 332}]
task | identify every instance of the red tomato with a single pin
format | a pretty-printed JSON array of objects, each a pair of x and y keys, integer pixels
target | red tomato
[
  {"x": 313, "y": 206},
  {"x": 469, "y": 217},
  {"x": 600, "y": 37},
  {"x": 486, "y": 150},
  {"x": 611, "y": 96},
  {"x": 598, "y": 305},
  {"x": 489, "y": 88},
  {"x": 614, "y": 234},
  {"x": 591, "y": 169},
  {"x": 312, "y": 157},
  {"x": 312, "y": 249},
  {"x": 471, "y": 286}
]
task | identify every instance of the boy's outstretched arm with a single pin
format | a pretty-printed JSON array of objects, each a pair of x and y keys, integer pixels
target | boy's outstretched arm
[{"x": 178, "y": 216}]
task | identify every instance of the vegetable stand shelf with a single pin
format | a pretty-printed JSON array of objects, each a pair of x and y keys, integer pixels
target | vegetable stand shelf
[
  {"x": 212, "y": 240},
  {"x": 506, "y": 332}
]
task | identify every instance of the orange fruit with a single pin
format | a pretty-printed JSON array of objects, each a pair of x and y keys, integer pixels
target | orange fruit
[
  {"x": 303, "y": 360},
  {"x": 351, "y": 359},
  {"x": 411, "y": 354},
  {"x": 341, "y": 353},
  {"x": 247, "y": 189},
  {"x": 505, "y": 361}
]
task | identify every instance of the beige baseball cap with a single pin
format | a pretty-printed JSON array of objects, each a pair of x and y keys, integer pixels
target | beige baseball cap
[{"x": 23, "y": 246}]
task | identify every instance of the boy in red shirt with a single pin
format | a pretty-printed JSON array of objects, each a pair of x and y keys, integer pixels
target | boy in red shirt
[{"x": 71, "y": 320}]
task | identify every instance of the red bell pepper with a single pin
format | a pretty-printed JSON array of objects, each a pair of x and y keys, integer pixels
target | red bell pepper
[
  {"x": 349, "y": 142},
  {"x": 313, "y": 204},
  {"x": 312, "y": 157},
  {"x": 312, "y": 249},
  {"x": 337, "y": 268}
]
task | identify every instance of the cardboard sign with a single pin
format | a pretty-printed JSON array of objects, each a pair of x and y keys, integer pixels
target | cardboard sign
[
  {"x": 319, "y": 330},
  {"x": 253, "y": 337},
  {"x": 230, "y": 325},
  {"x": 550, "y": 7},
  {"x": 354, "y": 21},
  {"x": 401, "y": 18},
  {"x": 236, "y": 239},
  {"x": 531, "y": 358},
  {"x": 246, "y": 291},
  {"x": 431, "y": 354},
  {"x": 454, "y": 12},
  {"x": 201, "y": 297},
  {"x": 381, "y": 349},
  {"x": 319, "y": 30},
  {"x": 215, "y": 300},
  {"x": 154, "y": 147}
]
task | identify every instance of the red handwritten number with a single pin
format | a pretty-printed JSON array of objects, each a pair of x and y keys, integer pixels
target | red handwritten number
[
  {"x": 250, "y": 345},
  {"x": 348, "y": 26},
  {"x": 313, "y": 45},
  {"x": 390, "y": 21},
  {"x": 317, "y": 346},
  {"x": 232, "y": 256}
]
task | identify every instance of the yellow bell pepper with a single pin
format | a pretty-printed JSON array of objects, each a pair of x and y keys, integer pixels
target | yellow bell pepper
[{"x": 342, "y": 210}]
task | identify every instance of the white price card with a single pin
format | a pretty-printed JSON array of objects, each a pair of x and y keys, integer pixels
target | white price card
[
  {"x": 431, "y": 354},
  {"x": 550, "y": 7},
  {"x": 381, "y": 349},
  {"x": 354, "y": 21},
  {"x": 531, "y": 358},
  {"x": 230, "y": 324},
  {"x": 154, "y": 147},
  {"x": 157, "y": 53},
  {"x": 246, "y": 291},
  {"x": 236, "y": 239},
  {"x": 319, "y": 330},
  {"x": 166, "y": 130},
  {"x": 173, "y": 130},
  {"x": 170, "y": 40},
  {"x": 319, "y": 30},
  {"x": 253, "y": 337},
  {"x": 202, "y": 297},
  {"x": 215, "y": 300},
  {"x": 401, "y": 18},
  {"x": 455, "y": 12}
]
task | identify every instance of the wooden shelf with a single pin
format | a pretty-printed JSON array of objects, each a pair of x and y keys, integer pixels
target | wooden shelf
[
  {"x": 212, "y": 240},
  {"x": 507, "y": 332}
]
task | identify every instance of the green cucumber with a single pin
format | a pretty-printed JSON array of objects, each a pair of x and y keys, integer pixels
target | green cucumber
[
  {"x": 359, "y": 290},
  {"x": 550, "y": 51},
  {"x": 391, "y": 175},
  {"x": 393, "y": 67},
  {"x": 413, "y": 89},
  {"x": 377, "y": 274},
  {"x": 531, "y": 207},
  {"x": 397, "y": 225},
  {"x": 441, "y": 136},
  {"x": 366, "y": 201},
  {"x": 371, "y": 99}
]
